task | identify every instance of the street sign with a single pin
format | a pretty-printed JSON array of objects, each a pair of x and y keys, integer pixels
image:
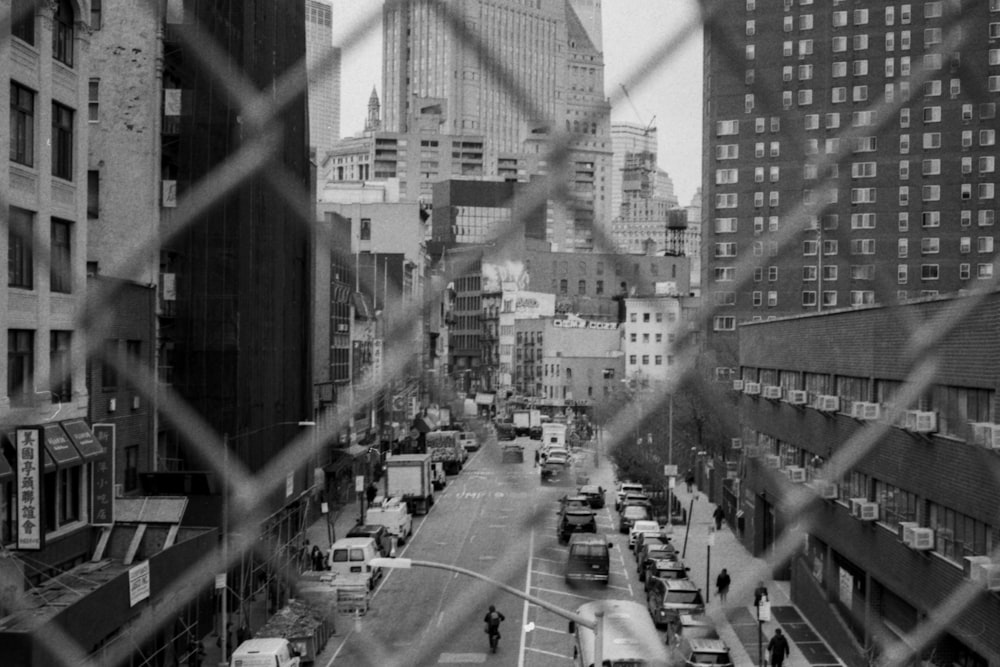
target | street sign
[
  {"x": 670, "y": 470},
  {"x": 764, "y": 610},
  {"x": 711, "y": 538}
]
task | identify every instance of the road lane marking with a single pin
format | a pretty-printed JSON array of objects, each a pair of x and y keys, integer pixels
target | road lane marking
[
  {"x": 547, "y": 560},
  {"x": 554, "y": 655},
  {"x": 527, "y": 591},
  {"x": 552, "y": 590},
  {"x": 462, "y": 658},
  {"x": 549, "y": 574}
]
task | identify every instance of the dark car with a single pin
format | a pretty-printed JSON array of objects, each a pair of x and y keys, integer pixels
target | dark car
[
  {"x": 594, "y": 494},
  {"x": 379, "y": 533},
  {"x": 588, "y": 558},
  {"x": 512, "y": 453},
  {"x": 630, "y": 514},
  {"x": 505, "y": 431},
  {"x": 556, "y": 470},
  {"x": 575, "y": 516},
  {"x": 650, "y": 551}
]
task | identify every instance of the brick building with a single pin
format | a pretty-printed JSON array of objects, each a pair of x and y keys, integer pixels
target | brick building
[{"x": 890, "y": 540}]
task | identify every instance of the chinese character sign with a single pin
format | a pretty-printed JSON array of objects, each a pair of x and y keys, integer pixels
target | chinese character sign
[
  {"x": 102, "y": 499},
  {"x": 29, "y": 489}
]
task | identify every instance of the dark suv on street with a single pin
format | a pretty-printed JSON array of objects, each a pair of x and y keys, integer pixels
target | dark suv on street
[{"x": 575, "y": 516}]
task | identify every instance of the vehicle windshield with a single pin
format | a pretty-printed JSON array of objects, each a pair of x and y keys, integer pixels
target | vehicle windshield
[{"x": 588, "y": 550}]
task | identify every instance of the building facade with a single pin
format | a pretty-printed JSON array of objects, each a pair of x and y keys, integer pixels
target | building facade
[
  {"x": 867, "y": 171},
  {"x": 822, "y": 380},
  {"x": 650, "y": 331},
  {"x": 323, "y": 71}
]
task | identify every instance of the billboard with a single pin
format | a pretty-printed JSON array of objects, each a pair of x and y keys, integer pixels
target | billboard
[{"x": 533, "y": 305}]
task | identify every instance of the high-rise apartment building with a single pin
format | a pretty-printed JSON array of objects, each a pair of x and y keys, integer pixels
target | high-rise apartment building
[
  {"x": 850, "y": 154},
  {"x": 323, "y": 68},
  {"x": 556, "y": 66}
]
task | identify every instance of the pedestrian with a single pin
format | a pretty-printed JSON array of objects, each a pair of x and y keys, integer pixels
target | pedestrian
[
  {"x": 537, "y": 456},
  {"x": 722, "y": 585},
  {"x": 689, "y": 480},
  {"x": 317, "y": 559},
  {"x": 371, "y": 492},
  {"x": 492, "y": 620},
  {"x": 719, "y": 514},
  {"x": 777, "y": 648},
  {"x": 759, "y": 593}
]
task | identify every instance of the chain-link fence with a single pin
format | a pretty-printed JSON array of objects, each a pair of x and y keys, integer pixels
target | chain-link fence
[{"x": 265, "y": 562}]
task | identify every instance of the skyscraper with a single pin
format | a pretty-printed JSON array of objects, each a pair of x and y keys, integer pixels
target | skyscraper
[
  {"x": 553, "y": 57},
  {"x": 324, "y": 83},
  {"x": 866, "y": 136}
]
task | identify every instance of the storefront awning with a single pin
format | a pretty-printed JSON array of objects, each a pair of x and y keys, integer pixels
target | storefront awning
[
  {"x": 484, "y": 399},
  {"x": 424, "y": 423},
  {"x": 343, "y": 457},
  {"x": 59, "y": 447},
  {"x": 84, "y": 439}
]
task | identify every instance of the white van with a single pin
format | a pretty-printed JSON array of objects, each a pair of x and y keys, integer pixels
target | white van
[
  {"x": 265, "y": 653},
  {"x": 350, "y": 561},
  {"x": 392, "y": 514}
]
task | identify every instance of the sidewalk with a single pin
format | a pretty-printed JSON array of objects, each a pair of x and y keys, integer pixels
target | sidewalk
[{"x": 736, "y": 619}]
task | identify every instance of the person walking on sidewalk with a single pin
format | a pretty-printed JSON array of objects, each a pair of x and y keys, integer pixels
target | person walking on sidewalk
[
  {"x": 370, "y": 493},
  {"x": 722, "y": 585},
  {"x": 689, "y": 480},
  {"x": 777, "y": 648},
  {"x": 719, "y": 514},
  {"x": 759, "y": 593}
]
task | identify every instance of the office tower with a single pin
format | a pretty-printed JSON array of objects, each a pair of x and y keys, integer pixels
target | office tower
[
  {"x": 549, "y": 52},
  {"x": 324, "y": 83},
  {"x": 894, "y": 108},
  {"x": 626, "y": 139}
]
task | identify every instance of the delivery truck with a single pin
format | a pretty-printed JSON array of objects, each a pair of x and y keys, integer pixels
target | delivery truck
[
  {"x": 408, "y": 476},
  {"x": 522, "y": 422},
  {"x": 445, "y": 447}
]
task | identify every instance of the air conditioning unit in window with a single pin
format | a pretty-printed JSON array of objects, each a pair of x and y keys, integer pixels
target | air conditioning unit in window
[
  {"x": 972, "y": 567},
  {"x": 923, "y": 539},
  {"x": 772, "y": 391},
  {"x": 751, "y": 388},
  {"x": 737, "y": 385},
  {"x": 826, "y": 490},
  {"x": 991, "y": 577},
  {"x": 796, "y": 474},
  {"x": 986, "y": 434},
  {"x": 772, "y": 461},
  {"x": 868, "y": 511},
  {"x": 904, "y": 531},
  {"x": 920, "y": 421},
  {"x": 136, "y": 401},
  {"x": 112, "y": 404},
  {"x": 856, "y": 506},
  {"x": 866, "y": 411},
  {"x": 797, "y": 397},
  {"x": 736, "y": 444},
  {"x": 827, "y": 403}
]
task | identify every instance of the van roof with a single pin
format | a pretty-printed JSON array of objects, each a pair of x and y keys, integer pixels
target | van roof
[
  {"x": 264, "y": 645},
  {"x": 347, "y": 542}
]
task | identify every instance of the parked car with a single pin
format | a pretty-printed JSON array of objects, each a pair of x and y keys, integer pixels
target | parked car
[
  {"x": 624, "y": 488},
  {"x": 635, "y": 499},
  {"x": 630, "y": 515},
  {"x": 693, "y": 626},
  {"x": 667, "y": 599},
  {"x": 650, "y": 551},
  {"x": 656, "y": 536},
  {"x": 379, "y": 533},
  {"x": 699, "y": 652},
  {"x": 665, "y": 568},
  {"x": 350, "y": 560},
  {"x": 469, "y": 440},
  {"x": 641, "y": 525},
  {"x": 594, "y": 494},
  {"x": 575, "y": 516}
]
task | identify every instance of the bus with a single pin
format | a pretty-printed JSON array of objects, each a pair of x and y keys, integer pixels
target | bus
[{"x": 629, "y": 638}]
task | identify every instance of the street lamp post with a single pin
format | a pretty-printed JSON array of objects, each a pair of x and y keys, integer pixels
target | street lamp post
[{"x": 597, "y": 625}]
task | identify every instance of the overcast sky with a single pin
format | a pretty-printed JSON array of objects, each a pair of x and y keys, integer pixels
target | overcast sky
[{"x": 633, "y": 31}]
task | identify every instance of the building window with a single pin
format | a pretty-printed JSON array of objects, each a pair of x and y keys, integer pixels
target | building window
[
  {"x": 131, "y": 480},
  {"x": 62, "y": 33},
  {"x": 109, "y": 369},
  {"x": 60, "y": 366},
  {"x": 63, "y": 491},
  {"x": 22, "y": 125},
  {"x": 95, "y": 14},
  {"x": 60, "y": 262},
  {"x": 94, "y": 101},
  {"x": 22, "y": 15},
  {"x": 20, "y": 243},
  {"x": 20, "y": 366},
  {"x": 599, "y": 289},
  {"x": 581, "y": 287},
  {"x": 93, "y": 193},
  {"x": 62, "y": 141},
  {"x": 723, "y": 323},
  {"x": 563, "y": 286}
]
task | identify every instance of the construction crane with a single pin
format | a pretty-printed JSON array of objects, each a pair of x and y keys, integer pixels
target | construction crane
[{"x": 638, "y": 115}]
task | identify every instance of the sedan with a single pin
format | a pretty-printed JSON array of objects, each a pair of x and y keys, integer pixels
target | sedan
[
  {"x": 630, "y": 515},
  {"x": 594, "y": 494}
]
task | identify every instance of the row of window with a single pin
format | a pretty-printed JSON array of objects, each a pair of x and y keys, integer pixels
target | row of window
[
  {"x": 23, "y": 22},
  {"x": 21, "y": 252},
  {"x": 657, "y": 337},
  {"x": 648, "y": 317},
  {"x": 22, "y": 132},
  {"x": 644, "y": 360},
  {"x": 861, "y": 220}
]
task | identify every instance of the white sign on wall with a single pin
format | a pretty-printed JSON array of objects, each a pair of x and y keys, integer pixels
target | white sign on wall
[{"x": 138, "y": 583}]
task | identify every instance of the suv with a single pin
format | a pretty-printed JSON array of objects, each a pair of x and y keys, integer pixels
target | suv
[
  {"x": 624, "y": 488},
  {"x": 575, "y": 516},
  {"x": 588, "y": 558},
  {"x": 379, "y": 533},
  {"x": 665, "y": 568},
  {"x": 650, "y": 551},
  {"x": 642, "y": 526},
  {"x": 595, "y": 495},
  {"x": 667, "y": 599},
  {"x": 697, "y": 652},
  {"x": 505, "y": 431},
  {"x": 630, "y": 515}
]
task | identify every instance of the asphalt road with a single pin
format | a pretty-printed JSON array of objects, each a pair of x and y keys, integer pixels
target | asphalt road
[{"x": 498, "y": 520}]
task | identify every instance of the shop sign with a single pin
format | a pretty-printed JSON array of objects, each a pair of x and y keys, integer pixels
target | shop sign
[
  {"x": 102, "y": 499},
  {"x": 584, "y": 324},
  {"x": 138, "y": 583},
  {"x": 29, "y": 489}
]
